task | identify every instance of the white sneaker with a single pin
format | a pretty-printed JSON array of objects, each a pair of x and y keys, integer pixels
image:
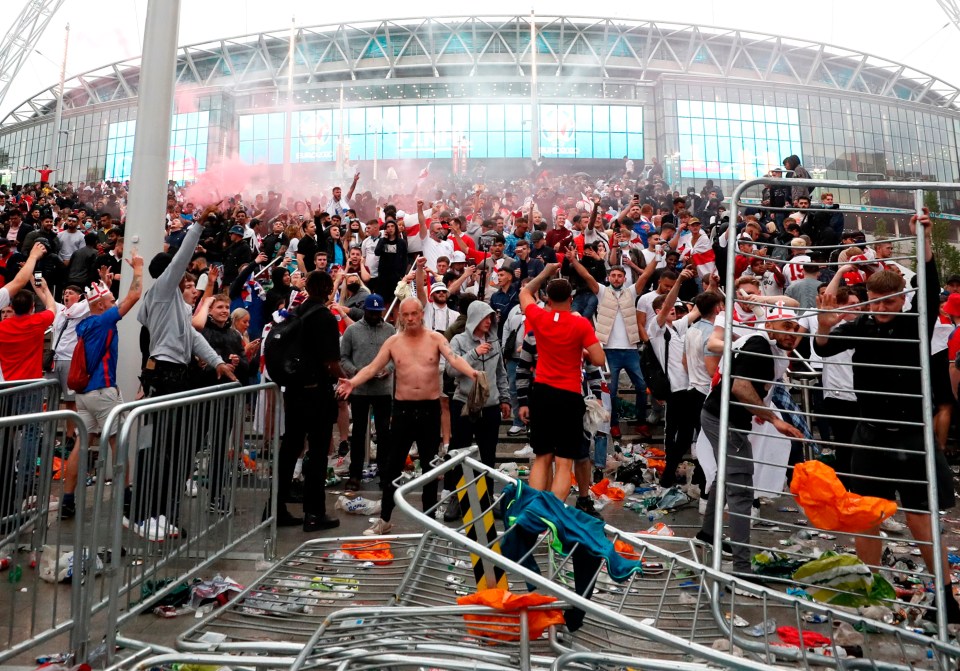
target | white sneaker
[
  {"x": 149, "y": 529},
  {"x": 892, "y": 526},
  {"x": 192, "y": 489},
  {"x": 516, "y": 430},
  {"x": 526, "y": 451},
  {"x": 167, "y": 528},
  {"x": 379, "y": 528}
]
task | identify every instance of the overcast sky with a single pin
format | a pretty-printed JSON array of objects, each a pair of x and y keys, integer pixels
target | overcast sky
[{"x": 104, "y": 31}]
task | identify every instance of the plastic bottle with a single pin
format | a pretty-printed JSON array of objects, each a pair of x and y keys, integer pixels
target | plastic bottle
[{"x": 655, "y": 514}]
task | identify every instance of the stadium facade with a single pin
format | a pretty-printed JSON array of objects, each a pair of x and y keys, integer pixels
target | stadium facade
[{"x": 707, "y": 103}]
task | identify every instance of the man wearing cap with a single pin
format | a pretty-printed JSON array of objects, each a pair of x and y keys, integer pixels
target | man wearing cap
[
  {"x": 759, "y": 361},
  {"x": 540, "y": 249},
  {"x": 437, "y": 315},
  {"x": 100, "y": 342},
  {"x": 799, "y": 255},
  {"x": 360, "y": 344},
  {"x": 505, "y": 297},
  {"x": 237, "y": 254}
]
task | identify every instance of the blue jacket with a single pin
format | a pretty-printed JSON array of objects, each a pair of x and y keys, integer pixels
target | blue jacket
[{"x": 536, "y": 511}]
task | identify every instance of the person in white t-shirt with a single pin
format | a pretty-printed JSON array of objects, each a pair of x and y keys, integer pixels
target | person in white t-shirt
[
  {"x": 667, "y": 334},
  {"x": 432, "y": 237}
]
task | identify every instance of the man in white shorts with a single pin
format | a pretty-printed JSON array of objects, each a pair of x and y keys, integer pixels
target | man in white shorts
[{"x": 100, "y": 340}]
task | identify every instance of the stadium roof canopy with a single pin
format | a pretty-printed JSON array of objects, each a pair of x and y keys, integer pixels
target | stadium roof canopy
[{"x": 499, "y": 47}]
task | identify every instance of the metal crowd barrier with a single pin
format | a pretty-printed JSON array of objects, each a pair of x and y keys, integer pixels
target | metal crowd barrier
[
  {"x": 45, "y": 559},
  {"x": 28, "y": 396},
  {"x": 201, "y": 488},
  {"x": 780, "y": 529}
]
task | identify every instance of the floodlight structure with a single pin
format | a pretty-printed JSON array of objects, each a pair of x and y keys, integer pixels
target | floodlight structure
[
  {"x": 22, "y": 38},
  {"x": 952, "y": 9}
]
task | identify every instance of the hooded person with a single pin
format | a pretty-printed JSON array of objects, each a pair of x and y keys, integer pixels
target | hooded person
[{"x": 479, "y": 346}]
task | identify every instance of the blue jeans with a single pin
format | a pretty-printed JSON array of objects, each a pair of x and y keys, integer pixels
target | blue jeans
[
  {"x": 585, "y": 302},
  {"x": 512, "y": 379},
  {"x": 628, "y": 360},
  {"x": 600, "y": 450}
]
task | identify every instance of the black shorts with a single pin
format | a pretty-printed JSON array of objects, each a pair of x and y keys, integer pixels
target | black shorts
[
  {"x": 556, "y": 422},
  {"x": 940, "y": 378},
  {"x": 904, "y": 470}
]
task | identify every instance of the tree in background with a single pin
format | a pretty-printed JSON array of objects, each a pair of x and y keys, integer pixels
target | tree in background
[{"x": 946, "y": 253}]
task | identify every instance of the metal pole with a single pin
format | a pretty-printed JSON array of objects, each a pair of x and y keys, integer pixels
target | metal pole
[
  {"x": 534, "y": 105},
  {"x": 58, "y": 115},
  {"x": 151, "y": 160},
  {"x": 288, "y": 115},
  {"x": 940, "y": 580}
]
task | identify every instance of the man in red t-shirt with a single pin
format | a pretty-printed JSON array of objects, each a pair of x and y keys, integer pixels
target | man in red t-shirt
[
  {"x": 556, "y": 399},
  {"x": 45, "y": 173},
  {"x": 21, "y": 357}
]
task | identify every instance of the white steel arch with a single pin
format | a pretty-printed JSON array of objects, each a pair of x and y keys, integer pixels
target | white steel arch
[{"x": 22, "y": 38}]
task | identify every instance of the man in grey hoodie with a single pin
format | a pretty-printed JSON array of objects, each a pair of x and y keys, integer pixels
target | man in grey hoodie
[{"x": 479, "y": 347}]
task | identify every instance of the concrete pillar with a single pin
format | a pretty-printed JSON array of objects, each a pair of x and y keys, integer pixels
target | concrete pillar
[{"x": 148, "y": 178}]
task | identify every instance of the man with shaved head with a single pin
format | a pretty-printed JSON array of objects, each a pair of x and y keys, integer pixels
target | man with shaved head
[{"x": 415, "y": 352}]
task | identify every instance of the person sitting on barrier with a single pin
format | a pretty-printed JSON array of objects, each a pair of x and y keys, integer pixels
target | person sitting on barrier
[
  {"x": 892, "y": 422},
  {"x": 100, "y": 341},
  {"x": 759, "y": 361},
  {"x": 555, "y": 413},
  {"x": 415, "y": 352}
]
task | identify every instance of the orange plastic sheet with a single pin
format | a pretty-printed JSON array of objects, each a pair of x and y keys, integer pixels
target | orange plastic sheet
[
  {"x": 507, "y": 628},
  {"x": 603, "y": 488},
  {"x": 379, "y": 553},
  {"x": 626, "y": 550},
  {"x": 659, "y": 465},
  {"x": 830, "y": 506}
]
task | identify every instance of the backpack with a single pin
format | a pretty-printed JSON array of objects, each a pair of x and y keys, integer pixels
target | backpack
[
  {"x": 285, "y": 353},
  {"x": 653, "y": 374},
  {"x": 78, "y": 377}
]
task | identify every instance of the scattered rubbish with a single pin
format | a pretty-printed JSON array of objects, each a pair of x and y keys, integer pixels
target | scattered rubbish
[
  {"x": 358, "y": 505},
  {"x": 763, "y": 629},
  {"x": 736, "y": 620}
]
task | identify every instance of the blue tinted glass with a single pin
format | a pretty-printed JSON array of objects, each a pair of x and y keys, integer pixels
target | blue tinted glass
[
  {"x": 478, "y": 117},
  {"x": 495, "y": 144},
  {"x": 276, "y": 125},
  {"x": 356, "y": 121},
  {"x": 584, "y": 118},
  {"x": 259, "y": 151},
  {"x": 583, "y": 145},
  {"x": 601, "y": 119},
  {"x": 513, "y": 117},
  {"x": 388, "y": 146},
  {"x": 618, "y": 119},
  {"x": 618, "y": 144},
  {"x": 260, "y": 126},
  {"x": 635, "y": 120},
  {"x": 495, "y": 117},
  {"x": 634, "y": 145},
  {"x": 478, "y": 144},
  {"x": 513, "y": 144},
  {"x": 276, "y": 151}
]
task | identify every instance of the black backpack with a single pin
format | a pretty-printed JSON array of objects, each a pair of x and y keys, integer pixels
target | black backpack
[
  {"x": 653, "y": 374},
  {"x": 284, "y": 352}
]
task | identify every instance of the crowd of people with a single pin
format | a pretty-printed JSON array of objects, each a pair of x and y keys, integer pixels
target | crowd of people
[{"x": 445, "y": 311}]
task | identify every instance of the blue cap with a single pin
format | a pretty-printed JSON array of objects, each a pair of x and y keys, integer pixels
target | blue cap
[
  {"x": 374, "y": 303},
  {"x": 236, "y": 230}
]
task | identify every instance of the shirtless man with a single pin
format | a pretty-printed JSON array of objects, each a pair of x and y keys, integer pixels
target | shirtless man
[{"x": 415, "y": 352}]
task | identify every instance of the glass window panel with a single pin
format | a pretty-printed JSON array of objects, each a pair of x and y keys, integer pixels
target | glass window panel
[
  {"x": 513, "y": 144},
  {"x": 478, "y": 118},
  {"x": 618, "y": 119},
  {"x": 495, "y": 117},
  {"x": 618, "y": 144},
  {"x": 634, "y": 145},
  {"x": 356, "y": 121},
  {"x": 635, "y": 120},
  {"x": 601, "y": 120},
  {"x": 277, "y": 125},
  {"x": 495, "y": 144},
  {"x": 478, "y": 144}
]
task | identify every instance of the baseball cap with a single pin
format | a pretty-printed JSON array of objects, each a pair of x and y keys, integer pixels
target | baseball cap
[
  {"x": 439, "y": 286},
  {"x": 374, "y": 303},
  {"x": 236, "y": 230},
  {"x": 458, "y": 257},
  {"x": 536, "y": 236},
  {"x": 778, "y": 313},
  {"x": 952, "y": 306}
]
